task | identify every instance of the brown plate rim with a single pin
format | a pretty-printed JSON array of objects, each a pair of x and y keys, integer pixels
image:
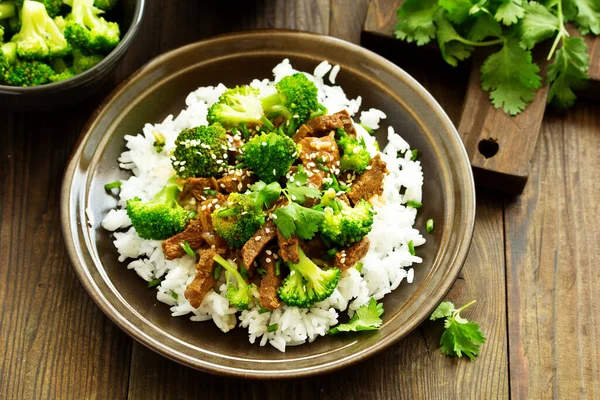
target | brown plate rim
[{"x": 70, "y": 230}]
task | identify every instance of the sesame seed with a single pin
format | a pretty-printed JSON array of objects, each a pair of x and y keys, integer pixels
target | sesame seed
[
  {"x": 214, "y": 156},
  {"x": 274, "y": 171},
  {"x": 203, "y": 197},
  {"x": 267, "y": 230},
  {"x": 217, "y": 206},
  {"x": 368, "y": 167},
  {"x": 203, "y": 207},
  {"x": 273, "y": 216},
  {"x": 222, "y": 185},
  {"x": 343, "y": 260},
  {"x": 212, "y": 246},
  {"x": 275, "y": 256},
  {"x": 268, "y": 260},
  {"x": 293, "y": 197},
  {"x": 258, "y": 238},
  {"x": 182, "y": 163},
  {"x": 264, "y": 143},
  {"x": 269, "y": 252},
  {"x": 181, "y": 169},
  {"x": 214, "y": 201},
  {"x": 239, "y": 186},
  {"x": 244, "y": 212}
]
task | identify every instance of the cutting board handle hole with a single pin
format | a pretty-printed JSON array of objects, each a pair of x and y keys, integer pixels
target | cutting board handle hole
[{"x": 488, "y": 147}]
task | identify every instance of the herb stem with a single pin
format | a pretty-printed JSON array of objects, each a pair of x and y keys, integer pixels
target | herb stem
[
  {"x": 465, "y": 306},
  {"x": 561, "y": 31},
  {"x": 481, "y": 44}
]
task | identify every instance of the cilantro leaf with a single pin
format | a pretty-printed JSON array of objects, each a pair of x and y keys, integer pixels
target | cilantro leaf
[
  {"x": 568, "y": 72},
  {"x": 444, "y": 310},
  {"x": 509, "y": 12},
  {"x": 266, "y": 194},
  {"x": 300, "y": 193},
  {"x": 415, "y": 21},
  {"x": 295, "y": 219},
  {"x": 511, "y": 77},
  {"x": 484, "y": 26},
  {"x": 588, "y": 16},
  {"x": 461, "y": 336},
  {"x": 537, "y": 24},
  {"x": 366, "y": 318},
  {"x": 450, "y": 42},
  {"x": 457, "y": 11}
]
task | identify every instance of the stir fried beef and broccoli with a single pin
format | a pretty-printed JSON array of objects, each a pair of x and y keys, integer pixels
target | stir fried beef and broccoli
[{"x": 273, "y": 193}]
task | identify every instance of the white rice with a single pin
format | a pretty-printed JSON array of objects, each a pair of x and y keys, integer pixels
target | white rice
[{"x": 385, "y": 266}]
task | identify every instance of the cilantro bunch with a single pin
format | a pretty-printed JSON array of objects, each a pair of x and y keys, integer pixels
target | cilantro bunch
[
  {"x": 516, "y": 26},
  {"x": 461, "y": 336}
]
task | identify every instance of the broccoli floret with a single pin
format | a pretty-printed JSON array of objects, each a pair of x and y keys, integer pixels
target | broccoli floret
[
  {"x": 105, "y": 5},
  {"x": 82, "y": 62},
  {"x": 269, "y": 155},
  {"x": 307, "y": 283},
  {"x": 296, "y": 97},
  {"x": 161, "y": 217},
  {"x": 52, "y": 6},
  {"x": 344, "y": 225},
  {"x": 39, "y": 36},
  {"x": 22, "y": 72},
  {"x": 236, "y": 106},
  {"x": 63, "y": 75},
  {"x": 60, "y": 22},
  {"x": 239, "y": 219},
  {"x": 355, "y": 155},
  {"x": 7, "y": 10},
  {"x": 241, "y": 294},
  {"x": 89, "y": 32},
  {"x": 201, "y": 151}
]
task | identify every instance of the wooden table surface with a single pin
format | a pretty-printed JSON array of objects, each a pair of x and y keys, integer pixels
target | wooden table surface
[{"x": 534, "y": 265}]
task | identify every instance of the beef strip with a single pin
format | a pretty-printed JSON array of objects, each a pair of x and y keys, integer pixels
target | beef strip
[
  {"x": 204, "y": 279},
  {"x": 288, "y": 248},
  {"x": 370, "y": 183},
  {"x": 344, "y": 116},
  {"x": 257, "y": 243},
  {"x": 195, "y": 187},
  {"x": 318, "y": 126},
  {"x": 348, "y": 257},
  {"x": 192, "y": 235},
  {"x": 208, "y": 232},
  {"x": 238, "y": 181},
  {"x": 314, "y": 248},
  {"x": 269, "y": 284},
  {"x": 319, "y": 151}
]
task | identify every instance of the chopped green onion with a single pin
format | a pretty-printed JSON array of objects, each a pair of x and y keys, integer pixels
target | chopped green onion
[
  {"x": 159, "y": 141},
  {"x": 244, "y": 130},
  {"x": 217, "y": 271},
  {"x": 155, "y": 282},
  {"x": 414, "y": 204},
  {"x": 330, "y": 254},
  {"x": 191, "y": 214},
  {"x": 186, "y": 246},
  {"x": 411, "y": 248},
  {"x": 261, "y": 271},
  {"x": 359, "y": 267},
  {"x": 268, "y": 123},
  {"x": 369, "y": 130},
  {"x": 228, "y": 212},
  {"x": 113, "y": 185},
  {"x": 277, "y": 271},
  {"x": 323, "y": 167},
  {"x": 429, "y": 225},
  {"x": 415, "y": 155},
  {"x": 211, "y": 192},
  {"x": 235, "y": 130},
  {"x": 243, "y": 272},
  {"x": 272, "y": 328},
  {"x": 263, "y": 310},
  {"x": 174, "y": 295}
]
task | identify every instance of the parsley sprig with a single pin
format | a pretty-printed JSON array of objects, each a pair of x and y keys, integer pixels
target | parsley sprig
[
  {"x": 366, "y": 318},
  {"x": 461, "y": 336},
  {"x": 510, "y": 75}
]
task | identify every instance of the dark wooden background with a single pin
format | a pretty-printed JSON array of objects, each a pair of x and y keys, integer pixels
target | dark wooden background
[{"x": 534, "y": 265}]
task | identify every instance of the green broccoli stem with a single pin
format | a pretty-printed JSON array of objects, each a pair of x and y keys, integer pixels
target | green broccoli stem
[
  {"x": 271, "y": 102},
  {"x": 230, "y": 268},
  {"x": 10, "y": 52},
  {"x": 7, "y": 9},
  {"x": 168, "y": 194},
  {"x": 305, "y": 266}
]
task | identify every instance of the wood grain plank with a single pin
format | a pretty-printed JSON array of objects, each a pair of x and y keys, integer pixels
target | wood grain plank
[
  {"x": 55, "y": 342},
  {"x": 347, "y": 19},
  {"x": 552, "y": 257},
  {"x": 415, "y": 368}
]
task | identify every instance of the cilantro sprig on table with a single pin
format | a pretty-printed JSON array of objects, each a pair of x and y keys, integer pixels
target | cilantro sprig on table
[
  {"x": 461, "y": 336},
  {"x": 516, "y": 26},
  {"x": 292, "y": 218}
]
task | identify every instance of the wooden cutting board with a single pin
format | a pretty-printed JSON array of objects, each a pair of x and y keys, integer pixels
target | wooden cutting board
[{"x": 500, "y": 146}]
